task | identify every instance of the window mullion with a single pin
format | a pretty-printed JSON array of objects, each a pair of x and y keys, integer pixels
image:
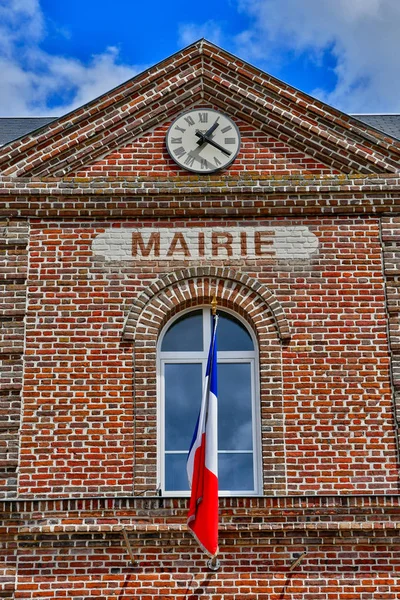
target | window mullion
[{"x": 206, "y": 329}]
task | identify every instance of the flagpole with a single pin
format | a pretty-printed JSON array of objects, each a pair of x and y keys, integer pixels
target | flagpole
[
  {"x": 213, "y": 563},
  {"x": 202, "y": 460}
]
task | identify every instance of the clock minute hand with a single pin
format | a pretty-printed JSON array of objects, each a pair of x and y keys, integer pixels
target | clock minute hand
[{"x": 212, "y": 143}]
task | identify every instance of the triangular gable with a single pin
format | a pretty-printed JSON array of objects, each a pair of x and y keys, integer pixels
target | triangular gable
[{"x": 201, "y": 73}]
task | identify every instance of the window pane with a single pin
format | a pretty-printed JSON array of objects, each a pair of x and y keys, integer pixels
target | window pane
[
  {"x": 185, "y": 334},
  {"x": 183, "y": 391},
  {"x": 235, "y": 472},
  {"x": 232, "y": 335},
  {"x": 175, "y": 472},
  {"x": 234, "y": 407}
]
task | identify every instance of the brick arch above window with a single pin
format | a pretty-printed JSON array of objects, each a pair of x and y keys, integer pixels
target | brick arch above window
[
  {"x": 191, "y": 288},
  {"x": 196, "y": 285}
]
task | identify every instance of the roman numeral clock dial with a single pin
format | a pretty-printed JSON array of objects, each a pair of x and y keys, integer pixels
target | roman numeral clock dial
[{"x": 203, "y": 140}]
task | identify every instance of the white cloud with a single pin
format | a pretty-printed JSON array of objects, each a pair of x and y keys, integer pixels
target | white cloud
[
  {"x": 19, "y": 20},
  {"x": 191, "y": 32},
  {"x": 31, "y": 79},
  {"x": 362, "y": 36}
]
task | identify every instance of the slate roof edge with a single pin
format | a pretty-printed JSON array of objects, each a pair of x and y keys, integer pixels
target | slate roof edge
[{"x": 377, "y": 114}]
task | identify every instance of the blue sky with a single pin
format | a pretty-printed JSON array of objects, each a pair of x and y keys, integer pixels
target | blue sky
[{"x": 58, "y": 54}]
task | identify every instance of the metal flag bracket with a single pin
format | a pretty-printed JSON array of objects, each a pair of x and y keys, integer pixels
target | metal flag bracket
[
  {"x": 298, "y": 560},
  {"x": 213, "y": 564},
  {"x": 134, "y": 561}
]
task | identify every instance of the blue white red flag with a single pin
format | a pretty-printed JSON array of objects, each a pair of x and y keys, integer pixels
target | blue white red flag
[{"x": 202, "y": 461}]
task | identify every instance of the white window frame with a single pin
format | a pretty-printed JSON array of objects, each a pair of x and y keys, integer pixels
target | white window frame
[{"x": 197, "y": 357}]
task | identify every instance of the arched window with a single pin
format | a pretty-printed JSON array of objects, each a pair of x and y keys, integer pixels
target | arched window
[{"x": 182, "y": 356}]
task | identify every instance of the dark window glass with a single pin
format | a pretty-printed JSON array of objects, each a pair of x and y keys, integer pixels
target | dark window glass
[
  {"x": 234, "y": 407},
  {"x": 235, "y": 471},
  {"x": 183, "y": 391},
  {"x": 185, "y": 334},
  {"x": 175, "y": 473},
  {"x": 232, "y": 335}
]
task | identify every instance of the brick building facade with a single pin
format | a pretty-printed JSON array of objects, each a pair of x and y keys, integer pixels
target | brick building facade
[{"x": 107, "y": 243}]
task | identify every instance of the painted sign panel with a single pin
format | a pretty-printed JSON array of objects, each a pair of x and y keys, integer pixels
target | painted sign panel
[{"x": 195, "y": 243}]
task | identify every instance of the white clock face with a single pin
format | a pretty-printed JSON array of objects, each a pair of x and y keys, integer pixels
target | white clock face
[{"x": 203, "y": 140}]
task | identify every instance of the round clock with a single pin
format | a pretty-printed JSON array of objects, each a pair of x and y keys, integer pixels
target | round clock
[{"x": 203, "y": 140}]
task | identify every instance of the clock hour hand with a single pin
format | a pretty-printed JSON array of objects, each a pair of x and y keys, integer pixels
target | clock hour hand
[
  {"x": 205, "y": 135},
  {"x": 205, "y": 139},
  {"x": 212, "y": 129}
]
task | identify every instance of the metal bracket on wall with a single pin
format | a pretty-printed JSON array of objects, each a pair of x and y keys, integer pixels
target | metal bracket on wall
[
  {"x": 134, "y": 561},
  {"x": 213, "y": 564},
  {"x": 297, "y": 561}
]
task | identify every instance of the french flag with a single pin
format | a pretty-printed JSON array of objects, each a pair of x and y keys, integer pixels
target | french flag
[{"x": 202, "y": 461}]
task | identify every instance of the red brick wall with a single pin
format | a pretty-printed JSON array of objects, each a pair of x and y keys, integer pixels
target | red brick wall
[
  {"x": 14, "y": 236},
  {"x": 147, "y": 156},
  {"x": 77, "y": 433},
  {"x": 339, "y": 411},
  {"x": 99, "y": 566},
  {"x": 352, "y": 550},
  {"x": 78, "y": 422}
]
